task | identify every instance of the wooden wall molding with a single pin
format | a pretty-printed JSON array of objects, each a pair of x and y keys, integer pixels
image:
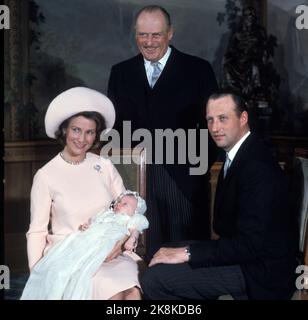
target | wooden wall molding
[{"x": 30, "y": 151}]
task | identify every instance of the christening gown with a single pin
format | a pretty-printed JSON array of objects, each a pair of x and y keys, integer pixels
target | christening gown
[{"x": 66, "y": 271}]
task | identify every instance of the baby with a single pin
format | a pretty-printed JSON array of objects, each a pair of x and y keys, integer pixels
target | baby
[
  {"x": 66, "y": 271},
  {"x": 126, "y": 203}
]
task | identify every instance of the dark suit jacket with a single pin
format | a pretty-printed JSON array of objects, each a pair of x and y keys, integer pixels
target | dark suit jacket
[
  {"x": 256, "y": 226},
  {"x": 176, "y": 101}
]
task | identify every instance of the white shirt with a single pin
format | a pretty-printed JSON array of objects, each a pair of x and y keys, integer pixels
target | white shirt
[
  {"x": 162, "y": 62},
  {"x": 232, "y": 153}
]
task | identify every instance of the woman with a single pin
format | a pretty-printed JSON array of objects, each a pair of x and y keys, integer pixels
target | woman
[
  {"x": 76, "y": 184},
  {"x": 66, "y": 271}
]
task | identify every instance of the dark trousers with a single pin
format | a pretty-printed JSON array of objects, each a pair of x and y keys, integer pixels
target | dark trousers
[
  {"x": 181, "y": 282},
  {"x": 172, "y": 217}
]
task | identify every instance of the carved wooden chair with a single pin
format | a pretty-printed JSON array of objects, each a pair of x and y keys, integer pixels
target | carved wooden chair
[
  {"x": 299, "y": 182},
  {"x": 131, "y": 164}
]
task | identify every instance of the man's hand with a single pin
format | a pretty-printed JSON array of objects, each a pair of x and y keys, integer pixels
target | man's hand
[
  {"x": 169, "y": 256},
  {"x": 117, "y": 250}
]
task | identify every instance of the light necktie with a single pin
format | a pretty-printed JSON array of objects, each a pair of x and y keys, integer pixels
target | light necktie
[
  {"x": 227, "y": 165},
  {"x": 156, "y": 73}
]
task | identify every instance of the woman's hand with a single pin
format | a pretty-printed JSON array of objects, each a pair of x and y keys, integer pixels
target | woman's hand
[
  {"x": 117, "y": 250},
  {"x": 131, "y": 244},
  {"x": 84, "y": 226}
]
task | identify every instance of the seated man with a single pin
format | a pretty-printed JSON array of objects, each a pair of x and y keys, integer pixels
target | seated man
[{"x": 254, "y": 258}]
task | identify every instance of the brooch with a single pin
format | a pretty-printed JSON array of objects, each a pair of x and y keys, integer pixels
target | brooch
[{"x": 98, "y": 168}]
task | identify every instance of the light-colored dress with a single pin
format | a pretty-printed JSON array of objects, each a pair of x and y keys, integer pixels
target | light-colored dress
[
  {"x": 66, "y": 271},
  {"x": 68, "y": 195}
]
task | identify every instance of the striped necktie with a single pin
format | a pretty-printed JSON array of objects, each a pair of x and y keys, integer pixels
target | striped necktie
[{"x": 156, "y": 73}]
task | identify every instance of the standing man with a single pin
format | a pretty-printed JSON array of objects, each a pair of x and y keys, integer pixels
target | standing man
[
  {"x": 254, "y": 258},
  {"x": 164, "y": 88}
]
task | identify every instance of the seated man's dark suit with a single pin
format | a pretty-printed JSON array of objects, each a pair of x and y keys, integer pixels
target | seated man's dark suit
[{"x": 257, "y": 232}]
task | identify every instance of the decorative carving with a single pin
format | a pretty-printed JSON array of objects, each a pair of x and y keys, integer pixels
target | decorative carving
[
  {"x": 247, "y": 62},
  {"x": 15, "y": 67},
  {"x": 19, "y": 110}
]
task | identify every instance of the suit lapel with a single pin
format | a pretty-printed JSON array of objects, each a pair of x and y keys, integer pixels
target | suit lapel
[
  {"x": 140, "y": 71},
  {"x": 219, "y": 188},
  {"x": 240, "y": 157}
]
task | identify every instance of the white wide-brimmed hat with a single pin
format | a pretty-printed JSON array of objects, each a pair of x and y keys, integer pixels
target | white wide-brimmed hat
[{"x": 76, "y": 100}]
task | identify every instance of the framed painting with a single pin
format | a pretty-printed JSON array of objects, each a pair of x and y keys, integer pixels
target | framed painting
[{"x": 60, "y": 44}]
